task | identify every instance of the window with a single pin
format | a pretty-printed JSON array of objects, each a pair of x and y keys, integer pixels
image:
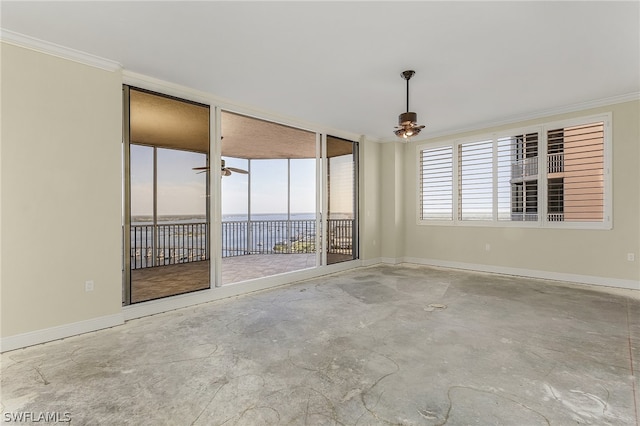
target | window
[
  {"x": 554, "y": 175},
  {"x": 436, "y": 188}
]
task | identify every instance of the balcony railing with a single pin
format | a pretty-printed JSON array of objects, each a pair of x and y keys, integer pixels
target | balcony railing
[
  {"x": 524, "y": 168},
  {"x": 555, "y": 217},
  {"x": 524, "y": 217},
  {"x": 340, "y": 236},
  {"x": 555, "y": 162},
  {"x": 268, "y": 237},
  {"x": 168, "y": 244}
]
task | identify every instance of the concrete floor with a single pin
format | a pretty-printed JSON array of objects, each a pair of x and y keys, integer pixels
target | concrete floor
[{"x": 378, "y": 345}]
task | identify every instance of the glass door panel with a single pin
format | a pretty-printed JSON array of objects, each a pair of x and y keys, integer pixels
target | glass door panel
[
  {"x": 303, "y": 207},
  {"x": 235, "y": 209},
  {"x": 166, "y": 212},
  {"x": 142, "y": 206},
  {"x": 342, "y": 219}
]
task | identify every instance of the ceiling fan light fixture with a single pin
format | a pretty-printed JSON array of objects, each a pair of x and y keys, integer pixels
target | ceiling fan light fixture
[{"x": 407, "y": 121}]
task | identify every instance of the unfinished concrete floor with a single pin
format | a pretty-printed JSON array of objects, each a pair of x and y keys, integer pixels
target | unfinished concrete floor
[{"x": 377, "y": 345}]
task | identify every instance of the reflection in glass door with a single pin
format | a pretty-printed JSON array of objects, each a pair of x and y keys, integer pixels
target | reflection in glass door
[
  {"x": 342, "y": 194},
  {"x": 166, "y": 200}
]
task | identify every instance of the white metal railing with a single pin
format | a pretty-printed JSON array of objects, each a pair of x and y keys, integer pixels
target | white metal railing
[
  {"x": 524, "y": 217},
  {"x": 524, "y": 168},
  {"x": 555, "y": 217},
  {"x": 555, "y": 162}
]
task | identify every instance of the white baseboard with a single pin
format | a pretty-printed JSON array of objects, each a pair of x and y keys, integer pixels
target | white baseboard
[
  {"x": 391, "y": 260},
  {"x": 371, "y": 262},
  {"x": 59, "y": 332},
  {"x": 531, "y": 273}
]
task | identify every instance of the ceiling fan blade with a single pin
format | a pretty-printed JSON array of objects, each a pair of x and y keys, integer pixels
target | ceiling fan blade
[
  {"x": 201, "y": 168},
  {"x": 236, "y": 170}
]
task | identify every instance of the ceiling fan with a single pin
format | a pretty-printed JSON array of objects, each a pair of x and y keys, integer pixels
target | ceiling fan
[
  {"x": 407, "y": 121},
  {"x": 225, "y": 171}
]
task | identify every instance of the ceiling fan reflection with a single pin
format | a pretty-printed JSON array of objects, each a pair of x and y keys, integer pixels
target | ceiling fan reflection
[{"x": 225, "y": 171}]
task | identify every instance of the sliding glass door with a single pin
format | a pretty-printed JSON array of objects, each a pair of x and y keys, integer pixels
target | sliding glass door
[{"x": 166, "y": 196}]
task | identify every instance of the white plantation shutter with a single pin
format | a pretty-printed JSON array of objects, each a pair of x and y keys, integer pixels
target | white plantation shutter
[
  {"x": 575, "y": 171},
  {"x": 475, "y": 180},
  {"x": 436, "y": 183},
  {"x": 506, "y": 155}
]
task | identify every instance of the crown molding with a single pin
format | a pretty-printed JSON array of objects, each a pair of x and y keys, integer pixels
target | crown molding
[
  {"x": 582, "y": 106},
  {"x": 28, "y": 42}
]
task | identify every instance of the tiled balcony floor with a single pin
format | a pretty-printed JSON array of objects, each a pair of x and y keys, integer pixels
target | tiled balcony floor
[
  {"x": 242, "y": 268},
  {"x": 153, "y": 283}
]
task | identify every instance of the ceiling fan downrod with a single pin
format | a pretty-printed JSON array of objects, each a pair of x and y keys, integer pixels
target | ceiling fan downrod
[{"x": 407, "y": 76}]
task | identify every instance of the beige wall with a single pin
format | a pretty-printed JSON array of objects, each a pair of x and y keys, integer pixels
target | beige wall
[
  {"x": 392, "y": 204},
  {"x": 369, "y": 201},
  {"x": 594, "y": 253},
  {"x": 61, "y": 191}
]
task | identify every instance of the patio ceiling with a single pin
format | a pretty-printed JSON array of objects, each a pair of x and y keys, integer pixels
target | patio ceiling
[
  {"x": 171, "y": 123},
  {"x": 167, "y": 122}
]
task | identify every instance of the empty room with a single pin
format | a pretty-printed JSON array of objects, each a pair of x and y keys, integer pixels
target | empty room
[{"x": 320, "y": 213}]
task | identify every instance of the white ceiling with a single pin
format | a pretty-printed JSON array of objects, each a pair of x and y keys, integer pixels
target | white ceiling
[{"x": 338, "y": 64}]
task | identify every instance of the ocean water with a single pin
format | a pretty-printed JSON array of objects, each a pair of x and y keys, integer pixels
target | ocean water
[{"x": 164, "y": 219}]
